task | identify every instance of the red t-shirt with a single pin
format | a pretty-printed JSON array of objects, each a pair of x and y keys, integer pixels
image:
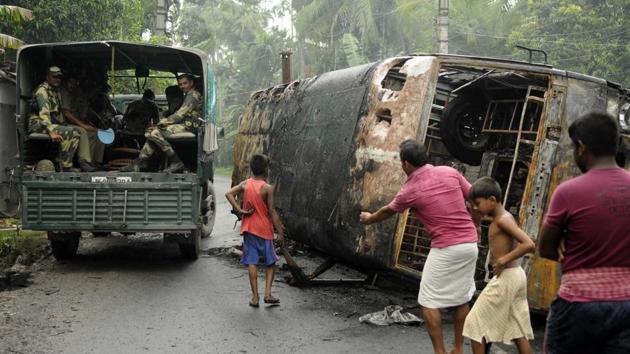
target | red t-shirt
[
  {"x": 258, "y": 223},
  {"x": 436, "y": 195},
  {"x": 594, "y": 208}
]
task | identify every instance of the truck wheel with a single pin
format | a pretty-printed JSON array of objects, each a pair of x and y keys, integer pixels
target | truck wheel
[
  {"x": 190, "y": 248},
  {"x": 208, "y": 209},
  {"x": 64, "y": 245},
  {"x": 460, "y": 128}
]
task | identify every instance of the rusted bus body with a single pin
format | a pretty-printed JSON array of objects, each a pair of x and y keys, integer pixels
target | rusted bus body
[{"x": 333, "y": 140}]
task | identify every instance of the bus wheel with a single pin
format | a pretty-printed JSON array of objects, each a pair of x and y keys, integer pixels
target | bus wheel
[
  {"x": 461, "y": 125},
  {"x": 191, "y": 246},
  {"x": 64, "y": 244}
]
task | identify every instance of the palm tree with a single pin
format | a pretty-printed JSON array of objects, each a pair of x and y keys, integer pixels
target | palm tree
[{"x": 16, "y": 15}]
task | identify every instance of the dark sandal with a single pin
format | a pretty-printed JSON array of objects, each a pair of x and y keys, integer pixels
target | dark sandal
[
  {"x": 271, "y": 300},
  {"x": 254, "y": 304}
]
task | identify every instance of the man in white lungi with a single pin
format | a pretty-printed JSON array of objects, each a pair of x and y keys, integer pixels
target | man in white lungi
[{"x": 437, "y": 195}]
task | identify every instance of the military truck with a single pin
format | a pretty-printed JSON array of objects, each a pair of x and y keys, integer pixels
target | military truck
[
  {"x": 65, "y": 204},
  {"x": 333, "y": 141}
]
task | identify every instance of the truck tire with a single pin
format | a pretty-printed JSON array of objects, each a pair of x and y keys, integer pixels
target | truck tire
[
  {"x": 208, "y": 209},
  {"x": 64, "y": 245},
  {"x": 189, "y": 249},
  {"x": 460, "y": 128}
]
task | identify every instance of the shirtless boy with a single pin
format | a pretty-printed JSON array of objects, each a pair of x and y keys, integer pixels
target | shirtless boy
[{"x": 501, "y": 313}]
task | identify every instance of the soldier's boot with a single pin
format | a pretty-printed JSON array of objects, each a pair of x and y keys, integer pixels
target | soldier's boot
[
  {"x": 174, "y": 164},
  {"x": 138, "y": 165},
  {"x": 86, "y": 166}
]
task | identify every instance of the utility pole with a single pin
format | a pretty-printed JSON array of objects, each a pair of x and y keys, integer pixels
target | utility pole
[
  {"x": 442, "y": 27},
  {"x": 161, "y": 16},
  {"x": 287, "y": 74}
]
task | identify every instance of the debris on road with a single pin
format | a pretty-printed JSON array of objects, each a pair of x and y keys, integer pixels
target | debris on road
[{"x": 391, "y": 314}]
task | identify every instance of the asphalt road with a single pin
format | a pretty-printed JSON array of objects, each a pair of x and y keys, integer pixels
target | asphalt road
[{"x": 135, "y": 295}]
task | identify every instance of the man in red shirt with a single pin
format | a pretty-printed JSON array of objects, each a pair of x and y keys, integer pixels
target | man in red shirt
[
  {"x": 436, "y": 195},
  {"x": 587, "y": 228}
]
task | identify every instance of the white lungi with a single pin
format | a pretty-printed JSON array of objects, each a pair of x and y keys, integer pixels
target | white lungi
[{"x": 448, "y": 276}]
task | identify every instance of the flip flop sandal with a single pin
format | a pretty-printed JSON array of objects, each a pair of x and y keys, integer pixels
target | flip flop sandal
[
  {"x": 271, "y": 300},
  {"x": 254, "y": 304}
]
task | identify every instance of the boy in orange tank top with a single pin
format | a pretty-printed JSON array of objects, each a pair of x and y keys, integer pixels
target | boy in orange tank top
[{"x": 259, "y": 217}]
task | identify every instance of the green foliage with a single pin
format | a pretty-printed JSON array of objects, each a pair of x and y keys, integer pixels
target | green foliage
[
  {"x": 29, "y": 244},
  {"x": 72, "y": 20},
  {"x": 14, "y": 16},
  {"x": 586, "y": 36},
  {"x": 352, "y": 51}
]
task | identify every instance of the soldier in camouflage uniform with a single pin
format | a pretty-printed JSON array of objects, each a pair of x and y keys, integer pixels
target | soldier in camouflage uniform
[
  {"x": 186, "y": 119},
  {"x": 50, "y": 120},
  {"x": 75, "y": 108}
]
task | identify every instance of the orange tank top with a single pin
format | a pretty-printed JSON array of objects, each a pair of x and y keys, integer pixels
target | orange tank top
[{"x": 258, "y": 223}]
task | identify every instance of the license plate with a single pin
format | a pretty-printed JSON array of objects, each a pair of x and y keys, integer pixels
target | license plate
[
  {"x": 123, "y": 179},
  {"x": 103, "y": 179}
]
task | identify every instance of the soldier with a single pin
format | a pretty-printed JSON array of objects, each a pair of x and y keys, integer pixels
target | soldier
[
  {"x": 142, "y": 113},
  {"x": 50, "y": 120},
  {"x": 186, "y": 119},
  {"x": 75, "y": 107}
]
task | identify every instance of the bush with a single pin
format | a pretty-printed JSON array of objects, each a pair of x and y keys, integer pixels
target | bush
[{"x": 31, "y": 245}]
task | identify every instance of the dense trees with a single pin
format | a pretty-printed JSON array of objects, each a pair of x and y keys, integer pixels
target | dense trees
[
  {"x": 71, "y": 20},
  {"x": 15, "y": 16}
]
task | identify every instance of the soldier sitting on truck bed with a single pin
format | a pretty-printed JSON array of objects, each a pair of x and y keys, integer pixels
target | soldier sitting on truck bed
[
  {"x": 103, "y": 113},
  {"x": 75, "y": 107},
  {"x": 142, "y": 113},
  {"x": 186, "y": 119},
  {"x": 49, "y": 120}
]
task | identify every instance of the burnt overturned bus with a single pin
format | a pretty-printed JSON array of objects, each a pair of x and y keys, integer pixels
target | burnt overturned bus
[
  {"x": 181, "y": 205},
  {"x": 333, "y": 142}
]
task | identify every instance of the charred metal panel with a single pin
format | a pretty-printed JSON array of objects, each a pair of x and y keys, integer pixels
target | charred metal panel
[
  {"x": 333, "y": 142},
  {"x": 307, "y": 130},
  {"x": 536, "y": 192},
  {"x": 376, "y": 174}
]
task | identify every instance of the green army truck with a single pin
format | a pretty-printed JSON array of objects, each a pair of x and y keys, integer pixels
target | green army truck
[{"x": 65, "y": 204}]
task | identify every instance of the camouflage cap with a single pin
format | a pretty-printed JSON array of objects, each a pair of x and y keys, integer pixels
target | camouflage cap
[{"x": 55, "y": 71}]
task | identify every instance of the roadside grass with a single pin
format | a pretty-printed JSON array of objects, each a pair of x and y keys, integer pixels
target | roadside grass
[
  {"x": 29, "y": 244},
  {"x": 223, "y": 171}
]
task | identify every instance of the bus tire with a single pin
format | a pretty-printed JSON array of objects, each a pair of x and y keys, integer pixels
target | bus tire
[{"x": 460, "y": 128}]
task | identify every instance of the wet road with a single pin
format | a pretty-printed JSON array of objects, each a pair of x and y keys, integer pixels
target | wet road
[{"x": 135, "y": 295}]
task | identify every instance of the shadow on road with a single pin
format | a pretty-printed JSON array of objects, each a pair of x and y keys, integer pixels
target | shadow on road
[{"x": 146, "y": 253}]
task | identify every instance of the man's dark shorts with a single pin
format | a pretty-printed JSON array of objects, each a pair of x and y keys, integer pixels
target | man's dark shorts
[{"x": 588, "y": 327}]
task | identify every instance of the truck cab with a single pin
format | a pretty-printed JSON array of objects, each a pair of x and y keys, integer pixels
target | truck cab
[{"x": 64, "y": 204}]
